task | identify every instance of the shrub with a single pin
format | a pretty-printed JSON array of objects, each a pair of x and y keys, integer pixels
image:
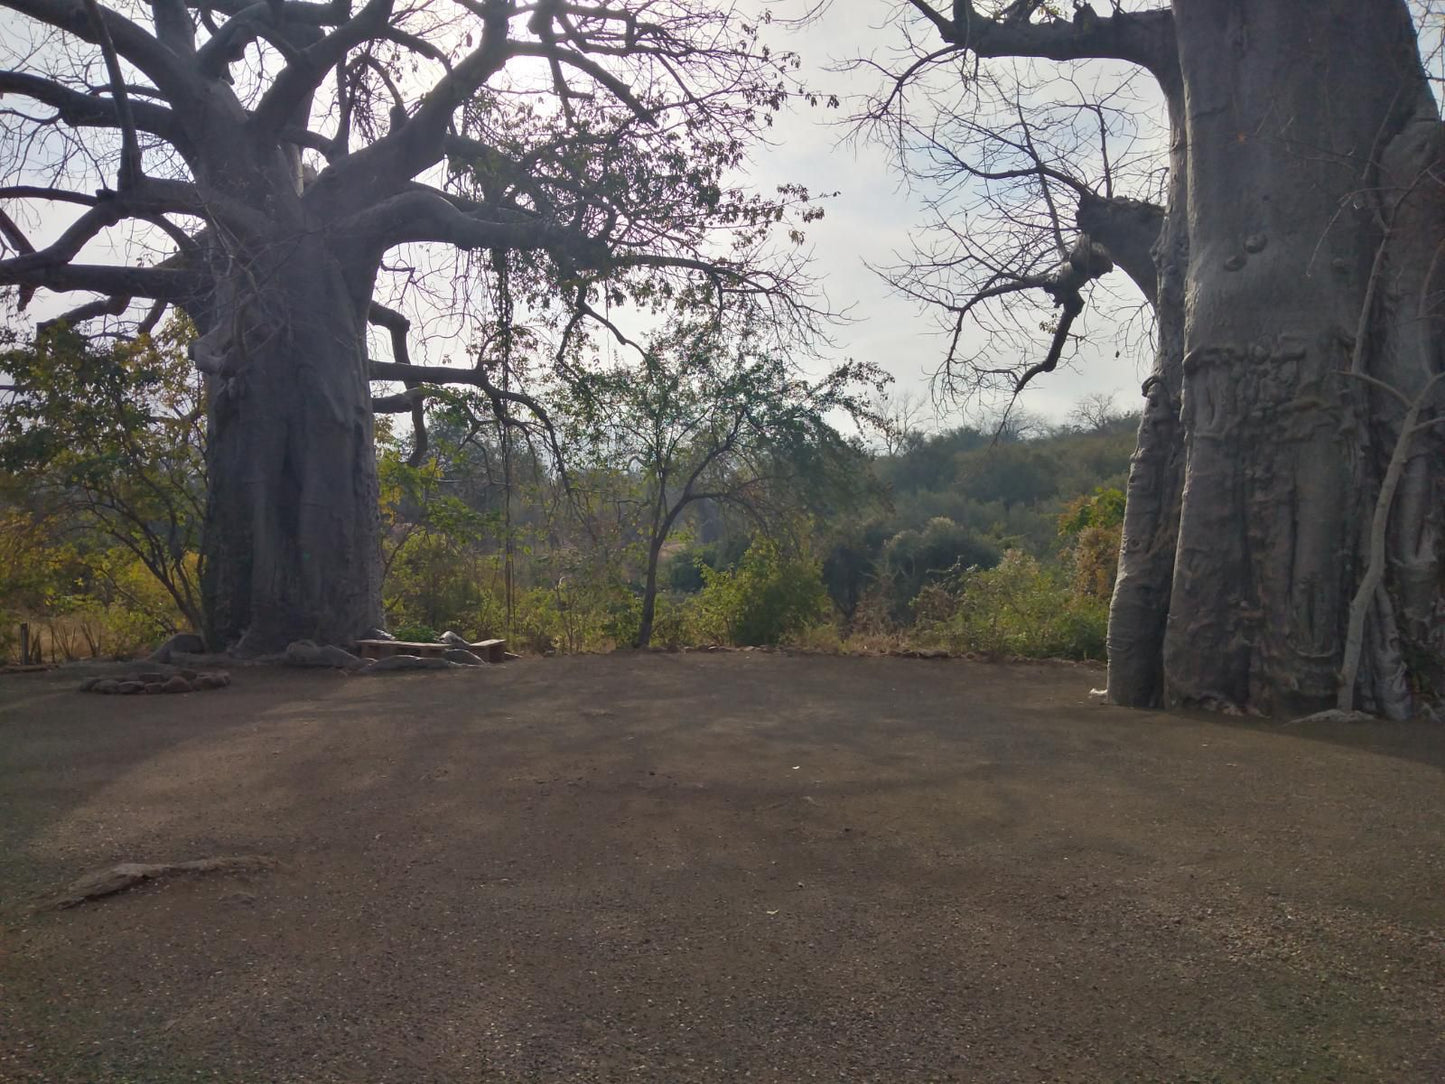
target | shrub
[
  {"x": 766, "y": 598},
  {"x": 676, "y": 622},
  {"x": 1092, "y": 528},
  {"x": 822, "y": 636},
  {"x": 416, "y": 633},
  {"x": 1018, "y": 608},
  {"x": 912, "y": 559}
]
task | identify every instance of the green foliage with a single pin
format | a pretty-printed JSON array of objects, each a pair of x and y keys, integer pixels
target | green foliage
[
  {"x": 1010, "y": 474},
  {"x": 81, "y": 603},
  {"x": 433, "y": 572},
  {"x": 1092, "y": 528},
  {"x": 708, "y": 419},
  {"x": 768, "y": 597},
  {"x": 912, "y": 559},
  {"x": 102, "y": 482},
  {"x": 1105, "y": 508},
  {"x": 737, "y": 567},
  {"x": 1018, "y": 608},
  {"x": 575, "y": 615},
  {"x": 416, "y": 633},
  {"x": 851, "y": 562}
]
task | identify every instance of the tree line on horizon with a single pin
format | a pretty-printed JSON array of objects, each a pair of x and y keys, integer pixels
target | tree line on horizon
[{"x": 703, "y": 495}]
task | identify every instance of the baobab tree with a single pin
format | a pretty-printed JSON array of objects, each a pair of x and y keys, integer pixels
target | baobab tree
[
  {"x": 1282, "y": 543},
  {"x": 277, "y": 151}
]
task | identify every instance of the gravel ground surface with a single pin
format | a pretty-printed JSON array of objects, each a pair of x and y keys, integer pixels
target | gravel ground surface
[{"x": 714, "y": 867}]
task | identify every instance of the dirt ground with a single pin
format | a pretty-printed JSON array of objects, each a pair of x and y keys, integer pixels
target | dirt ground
[{"x": 715, "y": 867}]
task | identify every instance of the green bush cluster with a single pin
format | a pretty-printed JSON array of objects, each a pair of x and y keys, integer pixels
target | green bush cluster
[
  {"x": 767, "y": 598},
  {"x": 95, "y": 604},
  {"x": 1019, "y": 608}
]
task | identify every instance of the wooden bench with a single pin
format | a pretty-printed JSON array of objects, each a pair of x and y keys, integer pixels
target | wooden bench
[{"x": 491, "y": 650}]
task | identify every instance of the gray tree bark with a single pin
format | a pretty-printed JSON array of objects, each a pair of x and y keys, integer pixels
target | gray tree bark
[
  {"x": 292, "y": 526},
  {"x": 1300, "y": 301},
  {"x": 1292, "y": 109},
  {"x": 1139, "y": 609},
  {"x": 292, "y": 539}
]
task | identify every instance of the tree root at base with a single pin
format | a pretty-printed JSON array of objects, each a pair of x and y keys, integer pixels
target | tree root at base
[{"x": 126, "y": 875}]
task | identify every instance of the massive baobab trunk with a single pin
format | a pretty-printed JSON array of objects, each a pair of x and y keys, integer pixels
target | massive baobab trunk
[
  {"x": 292, "y": 524},
  {"x": 1291, "y": 108},
  {"x": 1139, "y": 611},
  {"x": 1282, "y": 540}
]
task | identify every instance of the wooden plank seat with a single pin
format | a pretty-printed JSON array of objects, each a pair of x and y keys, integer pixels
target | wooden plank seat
[{"x": 491, "y": 650}]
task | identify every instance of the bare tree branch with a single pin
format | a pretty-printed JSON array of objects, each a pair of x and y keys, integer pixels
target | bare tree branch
[
  {"x": 88, "y": 111},
  {"x": 175, "y": 79},
  {"x": 307, "y": 70},
  {"x": 1145, "y": 38},
  {"x": 398, "y": 326},
  {"x": 154, "y": 282}
]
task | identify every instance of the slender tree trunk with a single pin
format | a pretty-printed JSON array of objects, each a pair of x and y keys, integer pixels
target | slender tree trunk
[
  {"x": 1291, "y": 107},
  {"x": 292, "y": 533},
  {"x": 649, "y": 592}
]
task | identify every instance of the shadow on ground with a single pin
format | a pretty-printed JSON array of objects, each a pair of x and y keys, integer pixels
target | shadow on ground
[{"x": 711, "y": 867}]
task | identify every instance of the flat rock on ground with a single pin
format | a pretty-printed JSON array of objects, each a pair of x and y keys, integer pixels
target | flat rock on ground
[{"x": 715, "y": 867}]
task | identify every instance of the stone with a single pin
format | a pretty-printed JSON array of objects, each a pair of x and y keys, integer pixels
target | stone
[
  {"x": 177, "y": 684},
  {"x": 89, "y": 684},
  {"x": 340, "y": 658},
  {"x": 1335, "y": 715},
  {"x": 217, "y": 679},
  {"x": 302, "y": 653},
  {"x": 306, "y": 653},
  {"x": 463, "y": 656},
  {"x": 155, "y": 686},
  {"x": 130, "y": 688},
  {"x": 183, "y": 641},
  {"x": 105, "y": 685},
  {"x": 407, "y": 662},
  {"x": 150, "y": 676}
]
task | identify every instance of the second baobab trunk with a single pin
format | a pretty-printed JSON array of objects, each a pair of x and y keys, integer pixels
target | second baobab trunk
[{"x": 1293, "y": 107}]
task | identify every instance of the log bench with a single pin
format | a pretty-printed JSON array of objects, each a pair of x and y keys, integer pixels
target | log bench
[{"x": 491, "y": 650}]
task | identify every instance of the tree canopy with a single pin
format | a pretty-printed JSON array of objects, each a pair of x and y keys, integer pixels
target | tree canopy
[{"x": 110, "y": 441}]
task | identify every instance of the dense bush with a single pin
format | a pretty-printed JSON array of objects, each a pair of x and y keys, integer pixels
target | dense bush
[
  {"x": 491, "y": 540},
  {"x": 96, "y": 604},
  {"x": 1092, "y": 527},
  {"x": 912, "y": 559},
  {"x": 1019, "y": 608},
  {"x": 768, "y": 597}
]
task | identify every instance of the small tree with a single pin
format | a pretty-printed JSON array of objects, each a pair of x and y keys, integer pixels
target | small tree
[
  {"x": 111, "y": 441},
  {"x": 1096, "y": 413},
  {"x": 702, "y": 417},
  {"x": 769, "y": 596}
]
